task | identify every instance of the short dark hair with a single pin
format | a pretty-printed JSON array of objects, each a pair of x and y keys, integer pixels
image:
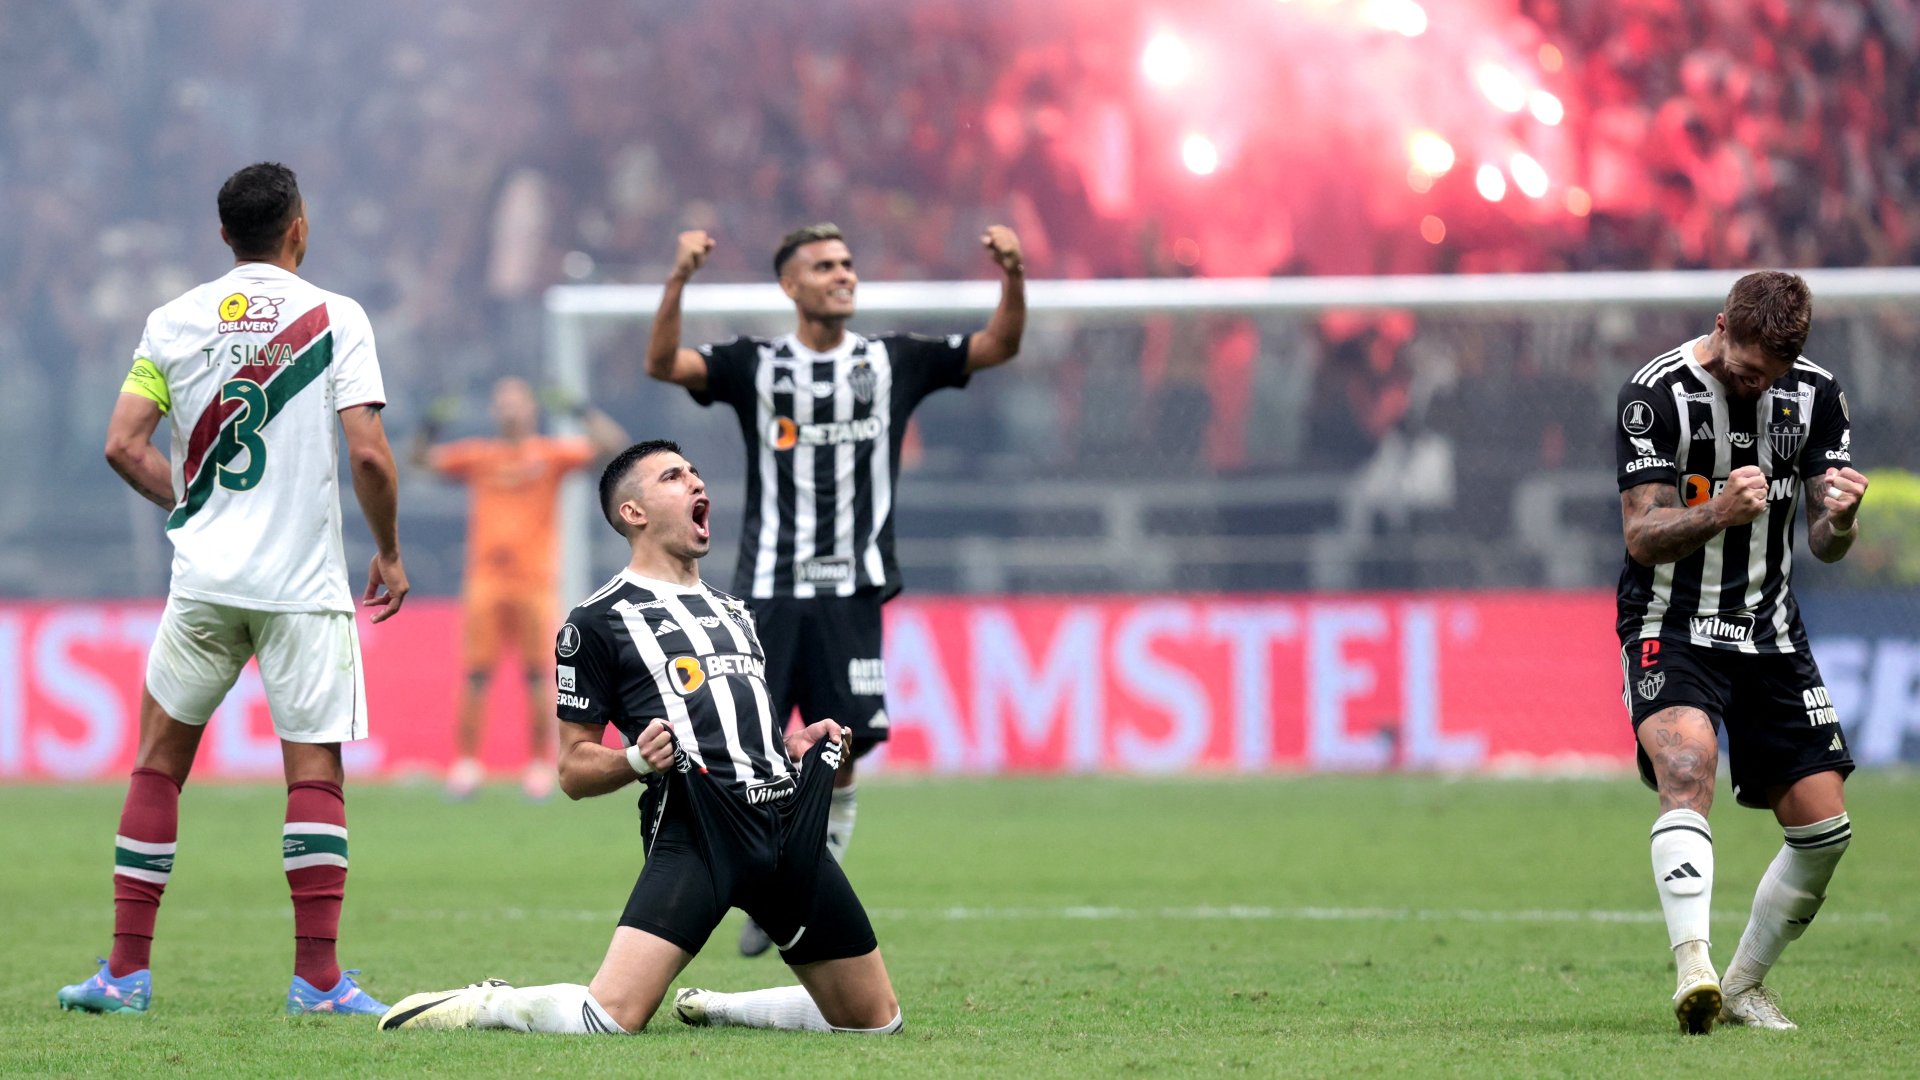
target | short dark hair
[
  {"x": 617, "y": 470},
  {"x": 256, "y": 206},
  {"x": 1770, "y": 310},
  {"x": 798, "y": 238}
]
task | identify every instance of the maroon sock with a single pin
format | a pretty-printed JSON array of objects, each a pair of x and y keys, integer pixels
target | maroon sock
[
  {"x": 142, "y": 862},
  {"x": 314, "y": 851}
]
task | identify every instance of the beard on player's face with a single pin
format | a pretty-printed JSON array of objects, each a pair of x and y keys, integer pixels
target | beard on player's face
[{"x": 1746, "y": 372}]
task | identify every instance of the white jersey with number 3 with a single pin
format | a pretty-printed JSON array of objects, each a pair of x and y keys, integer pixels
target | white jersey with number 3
[{"x": 252, "y": 369}]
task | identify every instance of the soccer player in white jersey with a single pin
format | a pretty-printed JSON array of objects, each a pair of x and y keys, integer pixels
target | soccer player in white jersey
[
  {"x": 1719, "y": 441},
  {"x": 734, "y": 812},
  {"x": 252, "y": 369}
]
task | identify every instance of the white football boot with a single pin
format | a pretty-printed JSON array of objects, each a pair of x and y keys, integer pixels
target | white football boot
[
  {"x": 440, "y": 1010},
  {"x": 1696, "y": 1002},
  {"x": 1756, "y": 1006},
  {"x": 695, "y": 1007}
]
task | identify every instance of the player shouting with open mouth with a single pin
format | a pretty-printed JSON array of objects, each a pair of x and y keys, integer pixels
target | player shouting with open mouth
[{"x": 733, "y": 813}]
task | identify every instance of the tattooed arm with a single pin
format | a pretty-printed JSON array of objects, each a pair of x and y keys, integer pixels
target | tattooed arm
[
  {"x": 1833, "y": 510},
  {"x": 1660, "y": 530}
]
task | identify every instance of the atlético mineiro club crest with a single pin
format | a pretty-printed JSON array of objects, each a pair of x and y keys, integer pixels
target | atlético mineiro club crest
[
  {"x": 1787, "y": 423},
  {"x": 863, "y": 380},
  {"x": 1650, "y": 686}
]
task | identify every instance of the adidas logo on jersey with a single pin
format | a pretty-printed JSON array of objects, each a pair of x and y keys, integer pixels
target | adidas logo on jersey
[
  {"x": 666, "y": 628},
  {"x": 1705, "y": 431}
]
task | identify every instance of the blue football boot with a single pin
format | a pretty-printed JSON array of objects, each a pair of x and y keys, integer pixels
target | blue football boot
[
  {"x": 103, "y": 993},
  {"x": 347, "y": 998}
]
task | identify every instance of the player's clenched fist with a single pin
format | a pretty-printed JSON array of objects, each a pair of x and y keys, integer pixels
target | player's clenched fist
[
  {"x": 1841, "y": 491},
  {"x": 801, "y": 741},
  {"x": 652, "y": 752},
  {"x": 1005, "y": 248},
  {"x": 695, "y": 245},
  {"x": 1744, "y": 498}
]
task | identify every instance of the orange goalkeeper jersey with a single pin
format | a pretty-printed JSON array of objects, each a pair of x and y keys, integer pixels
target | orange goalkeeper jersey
[{"x": 511, "y": 536}]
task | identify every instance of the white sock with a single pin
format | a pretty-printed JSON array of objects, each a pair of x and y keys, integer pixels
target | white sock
[
  {"x": 560, "y": 1009},
  {"x": 1789, "y": 896},
  {"x": 786, "y": 1008},
  {"x": 899, "y": 1021},
  {"x": 840, "y": 812},
  {"x": 1683, "y": 872}
]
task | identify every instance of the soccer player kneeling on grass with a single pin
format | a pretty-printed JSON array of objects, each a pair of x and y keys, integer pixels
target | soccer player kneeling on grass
[{"x": 733, "y": 814}]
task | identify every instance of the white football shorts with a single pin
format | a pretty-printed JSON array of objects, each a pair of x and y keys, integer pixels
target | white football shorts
[{"x": 309, "y": 666}]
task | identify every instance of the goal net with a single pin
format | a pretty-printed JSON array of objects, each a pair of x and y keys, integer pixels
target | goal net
[{"x": 1263, "y": 434}]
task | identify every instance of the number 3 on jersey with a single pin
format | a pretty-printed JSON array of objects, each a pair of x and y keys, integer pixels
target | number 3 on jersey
[{"x": 243, "y": 434}]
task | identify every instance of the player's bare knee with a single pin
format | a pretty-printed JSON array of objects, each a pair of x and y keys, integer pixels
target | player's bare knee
[
  {"x": 869, "y": 1015},
  {"x": 630, "y": 1011}
]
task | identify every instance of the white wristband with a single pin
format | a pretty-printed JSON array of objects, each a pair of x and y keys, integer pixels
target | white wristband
[
  {"x": 1839, "y": 533},
  {"x": 641, "y": 766}
]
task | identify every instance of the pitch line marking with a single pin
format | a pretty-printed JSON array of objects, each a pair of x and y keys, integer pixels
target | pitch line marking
[{"x": 1088, "y": 913}]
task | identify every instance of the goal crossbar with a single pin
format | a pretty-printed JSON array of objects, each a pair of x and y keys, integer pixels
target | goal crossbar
[{"x": 1494, "y": 293}]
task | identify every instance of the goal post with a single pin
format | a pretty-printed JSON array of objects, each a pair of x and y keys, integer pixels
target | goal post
[{"x": 576, "y": 314}]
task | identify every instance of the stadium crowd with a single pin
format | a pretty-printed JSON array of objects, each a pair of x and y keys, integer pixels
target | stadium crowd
[{"x": 463, "y": 158}]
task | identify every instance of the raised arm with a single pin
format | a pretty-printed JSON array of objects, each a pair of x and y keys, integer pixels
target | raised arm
[
  {"x": 440, "y": 413},
  {"x": 131, "y": 452},
  {"x": 1833, "y": 513},
  {"x": 1660, "y": 530},
  {"x": 605, "y": 433},
  {"x": 1000, "y": 341},
  {"x": 667, "y": 359},
  {"x": 376, "y": 484}
]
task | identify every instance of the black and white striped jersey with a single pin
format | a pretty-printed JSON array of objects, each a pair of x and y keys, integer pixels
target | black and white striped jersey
[
  {"x": 641, "y": 649},
  {"x": 823, "y": 434},
  {"x": 1678, "y": 426}
]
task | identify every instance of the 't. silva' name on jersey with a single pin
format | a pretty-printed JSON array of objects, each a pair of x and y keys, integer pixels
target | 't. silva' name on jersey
[{"x": 243, "y": 354}]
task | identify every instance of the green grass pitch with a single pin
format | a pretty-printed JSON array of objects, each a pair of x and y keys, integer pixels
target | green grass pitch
[{"x": 1375, "y": 926}]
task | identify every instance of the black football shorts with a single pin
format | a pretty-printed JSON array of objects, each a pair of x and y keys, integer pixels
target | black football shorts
[
  {"x": 823, "y": 657},
  {"x": 710, "y": 850},
  {"x": 1779, "y": 721}
]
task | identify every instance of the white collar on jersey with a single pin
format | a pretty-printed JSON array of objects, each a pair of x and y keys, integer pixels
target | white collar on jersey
[
  {"x": 1693, "y": 361},
  {"x": 261, "y": 269},
  {"x": 656, "y": 585},
  {"x": 838, "y": 352}
]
